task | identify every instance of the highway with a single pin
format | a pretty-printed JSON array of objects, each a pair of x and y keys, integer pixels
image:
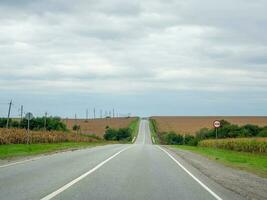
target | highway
[{"x": 113, "y": 172}]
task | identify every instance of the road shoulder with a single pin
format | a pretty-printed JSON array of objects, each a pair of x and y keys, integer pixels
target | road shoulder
[{"x": 247, "y": 185}]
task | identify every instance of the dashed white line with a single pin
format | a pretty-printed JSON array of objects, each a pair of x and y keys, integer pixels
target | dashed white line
[
  {"x": 190, "y": 174},
  {"x": 65, "y": 187}
]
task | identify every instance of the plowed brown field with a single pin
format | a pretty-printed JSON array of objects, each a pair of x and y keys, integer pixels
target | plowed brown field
[
  {"x": 98, "y": 126},
  {"x": 189, "y": 125}
]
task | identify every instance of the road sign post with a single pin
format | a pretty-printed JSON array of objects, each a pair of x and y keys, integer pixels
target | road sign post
[
  {"x": 216, "y": 124},
  {"x": 28, "y": 116}
]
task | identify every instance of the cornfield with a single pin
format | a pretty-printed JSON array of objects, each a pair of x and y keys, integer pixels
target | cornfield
[
  {"x": 20, "y": 136},
  {"x": 255, "y": 145}
]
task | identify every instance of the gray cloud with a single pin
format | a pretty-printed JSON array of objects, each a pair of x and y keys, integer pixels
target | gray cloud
[{"x": 120, "y": 46}]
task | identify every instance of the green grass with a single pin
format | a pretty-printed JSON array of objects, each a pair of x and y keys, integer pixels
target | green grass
[
  {"x": 134, "y": 127},
  {"x": 153, "y": 130},
  {"x": 17, "y": 150},
  {"x": 251, "y": 162}
]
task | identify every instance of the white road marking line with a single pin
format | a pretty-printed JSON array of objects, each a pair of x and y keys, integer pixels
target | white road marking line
[
  {"x": 65, "y": 187},
  {"x": 144, "y": 137},
  {"x": 188, "y": 172},
  {"x": 19, "y": 162}
]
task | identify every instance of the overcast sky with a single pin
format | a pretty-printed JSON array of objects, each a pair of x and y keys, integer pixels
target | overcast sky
[{"x": 149, "y": 57}]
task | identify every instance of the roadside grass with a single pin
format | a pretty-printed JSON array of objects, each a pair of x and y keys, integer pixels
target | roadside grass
[
  {"x": 153, "y": 131},
  {"x": 134, "y": 127},
  {"x": 19, "y": 150},
  {"x": 252, "y": 162}
]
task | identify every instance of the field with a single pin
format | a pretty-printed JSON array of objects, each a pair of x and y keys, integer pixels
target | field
[
  {"x": 98, "y": 126},
  {"x": 189, "y": 125}
]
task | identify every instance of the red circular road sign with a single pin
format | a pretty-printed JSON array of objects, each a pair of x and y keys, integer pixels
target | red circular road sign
[{"x": 217, "y": 124}]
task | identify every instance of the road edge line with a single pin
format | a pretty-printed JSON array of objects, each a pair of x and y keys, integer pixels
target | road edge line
[
  {"x": 66, "y": 186},
  {"x": 20, "y": 162},
  {"x": 190, "y": 174}
]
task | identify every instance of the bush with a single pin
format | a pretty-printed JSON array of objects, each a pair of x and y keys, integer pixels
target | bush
[
  {"x": 252, "y": 129},
  {"x": 263, "y": 132},
  {"x": 38, "y": 123},
  {"x": 12, "y": 123},
  {"x": 191, "y": 140},
  {"x": 124, "y": 134},
  {"x": 111, "y": 134},
  {"x": 118, "y": 134},
  {"x": 76, "y": 127},
  {"x": 173, "y": 138},
  {"x": 228, "y": 130}
]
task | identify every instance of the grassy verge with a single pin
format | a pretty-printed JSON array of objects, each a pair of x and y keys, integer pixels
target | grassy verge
[
  {"x": 251, "y": 162},
  {"x": 134, "y": 127},
  {"x": 153, "y": 130},
  {"x": 17, "y": 150}
]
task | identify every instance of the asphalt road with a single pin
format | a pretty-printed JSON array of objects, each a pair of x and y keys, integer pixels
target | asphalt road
[{"x": 130, "y": 171}]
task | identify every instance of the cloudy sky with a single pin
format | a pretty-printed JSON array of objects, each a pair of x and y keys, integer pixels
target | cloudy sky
[{"x": 149, "y": 57}]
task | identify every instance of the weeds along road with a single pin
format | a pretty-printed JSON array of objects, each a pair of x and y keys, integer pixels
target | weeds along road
[{"x": 132, "y": 171}]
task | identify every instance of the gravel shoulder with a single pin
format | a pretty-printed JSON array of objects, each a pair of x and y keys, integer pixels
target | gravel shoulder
[{"x": 244, "y": 184}]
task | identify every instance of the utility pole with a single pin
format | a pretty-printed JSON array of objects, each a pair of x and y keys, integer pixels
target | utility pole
[
  {"x": 21, "y": 114},
  {"x": 76, "y": 124},
  {"x": 94, "y": 113},
  {"x": 113, "y": 113},
  {"x": 101, "y": 113},
  {"x": 45, "y": 121},
  {"x": 8, "y": 115},
  {"x": 86, "y": 115}
]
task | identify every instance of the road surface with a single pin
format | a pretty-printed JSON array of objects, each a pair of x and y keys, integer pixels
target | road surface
[{"x": 140, "y": 171}]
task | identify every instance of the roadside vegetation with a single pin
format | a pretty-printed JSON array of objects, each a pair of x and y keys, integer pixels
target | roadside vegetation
[
  {"x": 247, "y": 138},
  {"x": 122, "y": 134},
  {"x": 134, "y": 128},
  {"x": 154, "y": 131},
  {"x": 17, "y": 150},
  {"x": 251, "y": 162},
  {"x": 45, "y": 135}
]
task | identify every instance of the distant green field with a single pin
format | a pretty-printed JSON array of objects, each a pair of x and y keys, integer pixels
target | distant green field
[
  {"x": 16, "y": 150},
  {"x": 251, "y": 162}
]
